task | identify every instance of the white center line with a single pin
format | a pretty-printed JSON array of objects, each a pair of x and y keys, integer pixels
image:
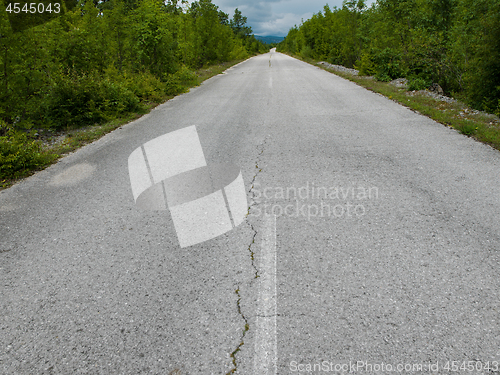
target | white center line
[{"x": 266, "y": 345}]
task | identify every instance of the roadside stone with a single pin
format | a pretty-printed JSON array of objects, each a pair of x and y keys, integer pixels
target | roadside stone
[
  {"x": 432, "y": 95},
  {"x": 400, "y": 82},
  {"x": 339, "y": 68},
  {"x": 436, "y": 88},
  {"x": 52, "y": 140}
]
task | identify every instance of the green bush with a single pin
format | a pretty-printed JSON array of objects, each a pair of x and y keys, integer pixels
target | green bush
[
  {"x": 388, "y": 65},
  {"x": 417, "y": 83},
  {"x": 307, "y": 52},
  {"x": 18, "y": 154},
  {"x": 467, "y": 128},
  {"x": 179, "y": 81},
  {"x": 87, "y": 100},
  {"x": 239, "y": 51},
  {"x": 383, "y": 77},
  {"x": 145, "y": 86},
  {"x": 366, "y": 66},
  {"x": 186, "y": 76}
]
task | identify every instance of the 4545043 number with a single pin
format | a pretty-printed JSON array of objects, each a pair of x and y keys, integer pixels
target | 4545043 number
[{"x": 33, "y": 8}]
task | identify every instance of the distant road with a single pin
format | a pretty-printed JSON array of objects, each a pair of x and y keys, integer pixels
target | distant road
[{"x": 374, "y": 233}]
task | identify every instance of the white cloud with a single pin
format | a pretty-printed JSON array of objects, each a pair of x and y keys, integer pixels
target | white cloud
[
  {"x": 275, "y": 17},
  {"x": 279, "y": 24}
]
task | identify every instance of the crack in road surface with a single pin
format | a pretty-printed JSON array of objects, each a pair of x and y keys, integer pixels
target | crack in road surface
[
  {"x": 252, "y": 258},
  {"x": 245, "y": 330}
]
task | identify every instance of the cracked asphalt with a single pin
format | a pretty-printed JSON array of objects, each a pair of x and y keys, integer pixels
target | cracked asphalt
[{"x": 387, "y": 241}]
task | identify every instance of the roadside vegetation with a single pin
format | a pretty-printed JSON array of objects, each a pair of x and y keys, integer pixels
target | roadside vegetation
[
  {"x": 69, "y": 80},
  {"x": 452, "y": 43}
]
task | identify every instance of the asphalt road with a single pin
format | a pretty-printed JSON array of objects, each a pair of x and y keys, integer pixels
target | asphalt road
[{"x": 372, "y": 242}]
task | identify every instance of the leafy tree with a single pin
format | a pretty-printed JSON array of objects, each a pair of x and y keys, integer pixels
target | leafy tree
[
  {"x": 238, "y": 23},
  {"x": 152, "y": 33},
  {"x": 100, "y": 59},
  {"x": 223, "y": 18},
  {"x": 455, "y": 43}
]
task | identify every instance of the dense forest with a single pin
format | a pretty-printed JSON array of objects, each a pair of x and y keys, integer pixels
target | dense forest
[
  {"x": 101, "y": 59},
  {"x": 98, "y": 60},
  {"x": 455, "y": 43}
]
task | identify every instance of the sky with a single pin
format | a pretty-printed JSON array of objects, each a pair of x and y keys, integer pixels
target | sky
[{"x": 275, "y": 17}]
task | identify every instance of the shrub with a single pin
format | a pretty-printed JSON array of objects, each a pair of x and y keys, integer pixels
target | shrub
[
  {"x": 239, "y": 51},
  {"x": 366, "y": 66},
  {"x": 307, "y": 52},
  {"x": 417, "y": 83},
  {"x": 18, "y": 154},
  {"x": 145, "y": 86},
  {"x": 87, "y": 100},
  {"x": 180, "y": 81},
  {"x": 186, "y": 76},
  {"x": 467, "y": 128},
  {"x": 389, "y": 65},
  {"x": 383, "y": 77}
]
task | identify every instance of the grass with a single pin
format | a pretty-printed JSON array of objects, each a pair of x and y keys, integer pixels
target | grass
[
  {"x": 57, "y": 144},
  {"x": 457, "y": 115}
]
